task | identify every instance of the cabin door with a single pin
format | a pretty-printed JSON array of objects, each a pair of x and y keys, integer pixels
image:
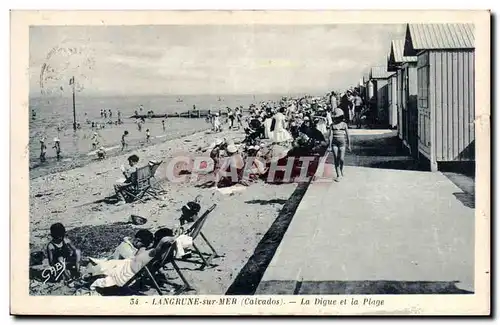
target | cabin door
[{"x": 424, "y": 109}]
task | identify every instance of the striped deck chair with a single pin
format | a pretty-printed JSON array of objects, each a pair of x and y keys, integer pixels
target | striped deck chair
[
  {"x": 155, "y": 183},
  {"x": 193, "y": 231},
  {"x": 152, "y": 271},
  {"x": 141, "y": 185}
]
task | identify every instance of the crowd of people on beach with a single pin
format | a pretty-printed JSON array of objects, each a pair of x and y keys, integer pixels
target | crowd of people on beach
[{"x": 278, "y": 130}]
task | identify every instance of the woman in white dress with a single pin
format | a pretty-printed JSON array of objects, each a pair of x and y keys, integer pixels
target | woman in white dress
[{"x": 280, "y": 133}]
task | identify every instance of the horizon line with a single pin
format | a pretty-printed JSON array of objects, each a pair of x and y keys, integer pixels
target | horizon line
[{"x": 176, "y": 95}]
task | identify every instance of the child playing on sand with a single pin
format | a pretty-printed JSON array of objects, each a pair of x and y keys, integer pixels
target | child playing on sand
[
  {"x": 163, "y": 124},
  {"x": 148, "y": 136},
  {"x": 61, "y": 251},
  {"x": 124, "y": 143},
  {"x": 95, "y": 140},
  {"x": 57, "y": 146},
  {"x": 216, "y": 123},
  {"x": 139, "y": 125},
  {"x": 101, "y": 153}
]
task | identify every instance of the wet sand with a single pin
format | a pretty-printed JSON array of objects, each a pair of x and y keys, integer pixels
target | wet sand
[
  {"x": 76, "y": 147},
  {"x": 74, "y": 197}
]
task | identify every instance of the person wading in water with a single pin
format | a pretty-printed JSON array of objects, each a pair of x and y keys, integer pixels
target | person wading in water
[
  {"x": 57, "y": 146},
  {"x": 339, "y": 140},
  {"x": 43, "y": 147}
]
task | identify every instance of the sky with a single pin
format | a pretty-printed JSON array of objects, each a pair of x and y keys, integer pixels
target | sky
[{"x": 205, "y": 59}]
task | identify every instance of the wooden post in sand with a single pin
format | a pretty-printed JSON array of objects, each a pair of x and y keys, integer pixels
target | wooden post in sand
[{"x": 72, "y": 82}]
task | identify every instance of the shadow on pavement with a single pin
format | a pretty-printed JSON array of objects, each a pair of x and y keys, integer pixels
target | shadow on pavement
[
  {"x": 380, "y": 151},
  {"x": 467, "y": 199}
]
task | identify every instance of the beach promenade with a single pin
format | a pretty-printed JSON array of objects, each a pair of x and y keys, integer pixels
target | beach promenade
[{"x": 386, "y": 228}]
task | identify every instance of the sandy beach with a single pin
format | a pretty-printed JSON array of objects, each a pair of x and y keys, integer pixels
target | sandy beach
[{"x": 76, "y": 198}]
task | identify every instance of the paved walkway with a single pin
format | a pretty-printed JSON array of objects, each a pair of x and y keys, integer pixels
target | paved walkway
[{"x": 380, "y": 230}]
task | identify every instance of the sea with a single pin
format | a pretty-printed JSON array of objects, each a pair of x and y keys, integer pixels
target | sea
[{"x": 52, "y": 116}]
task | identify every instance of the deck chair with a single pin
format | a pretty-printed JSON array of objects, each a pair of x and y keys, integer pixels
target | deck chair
[
  {"x": 152, "y": 269},
  {"x": 193, "y": 231},
  {"x": 140, "y": 185},
  {"x": 155, "y": 183}
]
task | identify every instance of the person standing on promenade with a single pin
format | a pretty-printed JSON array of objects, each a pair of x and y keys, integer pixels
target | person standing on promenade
[
  {"x": 339, "y": 140},
  {"x": 358, "y": 107},
  {"x": 344, "y": 105}
]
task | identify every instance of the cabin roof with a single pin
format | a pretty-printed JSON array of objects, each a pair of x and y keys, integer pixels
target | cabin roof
[
  {"x": 421, "y": 37},
  {"x": 380, "y": 73},
  {"x": 397, "y": 48}
]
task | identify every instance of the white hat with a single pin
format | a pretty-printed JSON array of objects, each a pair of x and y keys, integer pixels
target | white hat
[
  {"x": 56, "y": 139},
  {"x": 231, "y": 148},
  {"x": 101, "y": 148},
  {"x": 256, "y": 148},
  {"x": 218, "y": 142},
  {"x": 306, "y": 118}
]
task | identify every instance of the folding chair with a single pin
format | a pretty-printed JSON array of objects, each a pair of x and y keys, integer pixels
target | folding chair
[
  {"x": 152, "y": 270},
  {"x": 141, "y": 185},
  {"x": 155, "y": 183},
  {"x": 193, "y": 231}
]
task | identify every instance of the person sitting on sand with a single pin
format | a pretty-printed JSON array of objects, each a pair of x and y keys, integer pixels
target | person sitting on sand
[
  {"x": 232, "y": 167},
  {"x": 128, "y": 172},
  {"x": 60, "y": 250},
  {"x": 118, "y": 272},
  {"x": 255, "y": 166},
  {"x": 129, "y": 247}
]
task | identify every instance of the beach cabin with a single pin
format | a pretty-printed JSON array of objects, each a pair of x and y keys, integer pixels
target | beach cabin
[
  {"x": 368, "y": 92},
  {"x": 445, "y": 98},
  {"x": 405, "y": 78},
  {"x": 379, "y": 102}
]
